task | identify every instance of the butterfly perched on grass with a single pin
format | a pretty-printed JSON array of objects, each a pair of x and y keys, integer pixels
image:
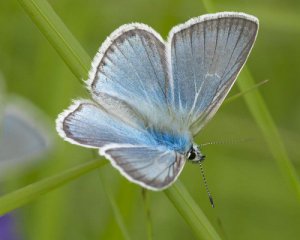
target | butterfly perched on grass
[{"x": 150, "y": 97}]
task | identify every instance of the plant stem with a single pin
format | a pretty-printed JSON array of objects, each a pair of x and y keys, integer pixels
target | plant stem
[
  {"x": 191, "y": 212},
  {"x": 31, "y": 192},
  {"x": 59, "y": 36}
]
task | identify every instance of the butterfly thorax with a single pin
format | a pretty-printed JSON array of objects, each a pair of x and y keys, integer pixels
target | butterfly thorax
[
  {"x": 168, "y": 128},
  {"x": 172, "y": 140},
  {"x": 179, "y": 142}
]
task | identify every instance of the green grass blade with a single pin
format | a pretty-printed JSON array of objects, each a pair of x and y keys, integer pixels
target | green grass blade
[
  {"x": 31, "y": 192},
  {"x": 191, "y": 212},
  {"x": 116, "y": 211},
  {"x": 69, "y": 49},
  {"x": 147, "y": 209},
  {"x": 240, "y": 94},
  {"x": 264, "y": 120}
]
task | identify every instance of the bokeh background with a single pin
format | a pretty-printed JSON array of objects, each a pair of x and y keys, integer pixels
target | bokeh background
[{"x": 252, "y": 199}]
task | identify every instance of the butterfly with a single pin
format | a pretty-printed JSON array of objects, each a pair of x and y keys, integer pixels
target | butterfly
[
  {"x": 150, "y": 97},
  {"x": 24, "y": 137}
]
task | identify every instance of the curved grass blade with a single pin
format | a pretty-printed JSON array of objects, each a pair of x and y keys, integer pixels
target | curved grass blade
[
  {"x": 31, "y": 192},
  {"x": 147, "y": 209},
  {"x": 264, "y": 120},
  {"x": 266, "y": 123},
  {"x": 115, "y": 209},
  {"x": 191, "y": 212},
  {"x": 69, "y": 49}
]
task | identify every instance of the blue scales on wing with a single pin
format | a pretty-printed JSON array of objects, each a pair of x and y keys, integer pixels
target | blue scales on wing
[
  {"x": 151, "y": 159},
  {"x": 87, "y": 123},
  {"x": 130, "y": 68},
  {"x": 206, "y": 55}
]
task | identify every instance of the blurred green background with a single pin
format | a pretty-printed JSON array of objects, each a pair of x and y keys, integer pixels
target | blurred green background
[{"x": 252, "y": 199}]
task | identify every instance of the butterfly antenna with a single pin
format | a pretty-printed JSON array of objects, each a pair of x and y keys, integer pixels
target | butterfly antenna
[
  {"x": 206, "y": 185},
  {"x": 230, "y": 141}
]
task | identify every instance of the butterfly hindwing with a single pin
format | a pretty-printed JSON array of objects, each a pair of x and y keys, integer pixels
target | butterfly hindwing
[
  {"x": 206, "y": 55},
  {"x": 154, "y": 168}
]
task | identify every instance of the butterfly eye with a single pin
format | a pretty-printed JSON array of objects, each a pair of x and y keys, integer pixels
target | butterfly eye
[{"x": 192, "y": 155}]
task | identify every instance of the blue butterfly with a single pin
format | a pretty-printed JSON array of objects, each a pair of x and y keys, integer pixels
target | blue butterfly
[
  {"x": 151, "y": 97},
  {"x": 24, "y": 136}
]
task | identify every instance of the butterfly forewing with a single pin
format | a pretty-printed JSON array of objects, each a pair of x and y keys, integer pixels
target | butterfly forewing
[
  {"x": 206, "y": 55},
  {"x": 131, "y": 66}
]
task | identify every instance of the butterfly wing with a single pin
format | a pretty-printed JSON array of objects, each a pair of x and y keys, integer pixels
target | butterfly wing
[
  {"x": 154, "y": 168},
  {"x": 88, "y": 124},
  {"x": 131, "y": 67},
  {"x": 206, "y": 55},
  {"x": 134, "y": 152},
  {"x": 20, "y": 140},
  {"x": 24, "y": 136}
]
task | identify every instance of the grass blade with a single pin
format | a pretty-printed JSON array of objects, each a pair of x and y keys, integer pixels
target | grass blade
[
  {"x": 116, "y": 211},
  {"x": 264, "y": 120},
  {"x": 31, "y": 192},
  {"x": 146, "y": 202},
  {"x": 69, "y": 49},
  {"x": 240, "y": 94},
  {"x": 191, "y": 212}
]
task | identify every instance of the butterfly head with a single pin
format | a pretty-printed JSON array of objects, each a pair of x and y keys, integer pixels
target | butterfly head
[{"x": 194, "y": 155}]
